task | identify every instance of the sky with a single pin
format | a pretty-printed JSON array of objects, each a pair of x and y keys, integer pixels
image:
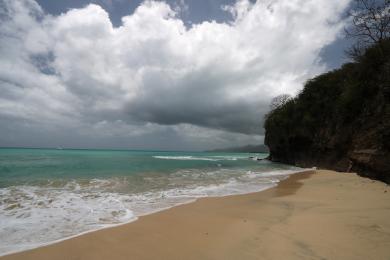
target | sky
[{"x": 160, "y": 75}]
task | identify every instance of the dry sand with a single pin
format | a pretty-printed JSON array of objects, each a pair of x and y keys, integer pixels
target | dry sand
[{"x": 321, "y": 215}]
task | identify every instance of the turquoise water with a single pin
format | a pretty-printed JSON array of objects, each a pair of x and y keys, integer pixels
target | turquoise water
[
  {"x": 31, "y": 166},
  {"x": 48, "y": 194}
]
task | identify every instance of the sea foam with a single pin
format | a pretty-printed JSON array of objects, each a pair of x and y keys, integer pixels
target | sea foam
[{"x": 195, "y": 158}]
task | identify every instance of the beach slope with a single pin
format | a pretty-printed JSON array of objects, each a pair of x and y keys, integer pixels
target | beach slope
[{"x": 312, "y": 215}]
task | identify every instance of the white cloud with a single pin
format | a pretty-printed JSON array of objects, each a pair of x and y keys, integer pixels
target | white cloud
[{"x": 76, "y": 71}]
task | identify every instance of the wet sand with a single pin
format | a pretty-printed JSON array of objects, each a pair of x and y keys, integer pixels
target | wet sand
[{"x": 312, "y": 215}]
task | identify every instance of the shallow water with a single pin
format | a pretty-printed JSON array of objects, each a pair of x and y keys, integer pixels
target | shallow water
[{"x": 48, "y": 195}]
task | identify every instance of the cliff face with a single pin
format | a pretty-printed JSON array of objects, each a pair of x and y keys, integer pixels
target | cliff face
[{"x": 340, "y": 121}]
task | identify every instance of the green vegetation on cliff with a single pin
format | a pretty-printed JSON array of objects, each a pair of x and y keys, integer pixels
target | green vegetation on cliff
[{"x": 340, "y": 120}]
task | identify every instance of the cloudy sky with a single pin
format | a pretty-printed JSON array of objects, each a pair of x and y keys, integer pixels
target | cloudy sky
[{"x": 170, "y": 75}]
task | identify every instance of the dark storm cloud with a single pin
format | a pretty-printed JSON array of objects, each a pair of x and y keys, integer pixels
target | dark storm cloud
[{"x": 200, "y": 99}]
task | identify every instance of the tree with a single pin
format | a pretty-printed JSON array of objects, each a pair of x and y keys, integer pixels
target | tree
[
  {"x": 279, "y": 101},
  {"x": 370, "y": 25}
]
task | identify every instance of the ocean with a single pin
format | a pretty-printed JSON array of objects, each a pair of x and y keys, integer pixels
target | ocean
[{"x": 47, "y": 195}]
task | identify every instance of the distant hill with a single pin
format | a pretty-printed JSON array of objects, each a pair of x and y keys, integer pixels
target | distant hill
[
  {"x": 340, "y": 120},
  {"x": 244, "y": 149}
]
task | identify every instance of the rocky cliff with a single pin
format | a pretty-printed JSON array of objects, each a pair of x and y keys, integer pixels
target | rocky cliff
[{"x": 340, "y": 120}]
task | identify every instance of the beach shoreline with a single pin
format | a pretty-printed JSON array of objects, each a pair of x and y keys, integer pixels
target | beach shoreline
[
  {"x": 245, "y": 225},
  {"x": 284, "y": 175}
]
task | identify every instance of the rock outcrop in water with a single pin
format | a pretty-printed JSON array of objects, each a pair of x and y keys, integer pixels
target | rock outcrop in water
[{"x": 340, "y": 120}]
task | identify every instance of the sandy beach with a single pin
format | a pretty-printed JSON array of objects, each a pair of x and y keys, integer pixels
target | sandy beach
[{"x": 312, "y": 215}]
